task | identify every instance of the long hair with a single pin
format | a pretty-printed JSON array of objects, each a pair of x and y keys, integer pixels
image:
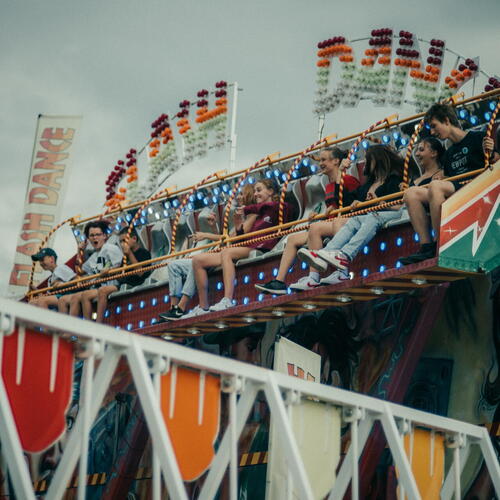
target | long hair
[
  {"x": 272, "y": 185},
  {"x": 385, "y": 162},
  {"x": 435, "y": 146}
]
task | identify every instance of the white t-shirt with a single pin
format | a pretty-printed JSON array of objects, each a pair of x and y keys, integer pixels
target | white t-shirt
[
  {"x": 107, "y": 257},
  {"x": 61, "y": 273}
]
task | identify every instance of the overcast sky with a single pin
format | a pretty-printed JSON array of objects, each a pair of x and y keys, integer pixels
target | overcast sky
[{"x": 121, "y": 63}]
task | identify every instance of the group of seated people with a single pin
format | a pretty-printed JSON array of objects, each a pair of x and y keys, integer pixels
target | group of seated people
[{"x": 257, "y": 208}]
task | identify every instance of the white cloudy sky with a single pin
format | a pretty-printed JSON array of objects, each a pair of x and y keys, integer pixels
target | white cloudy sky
[{"x": 120, "y": 63}]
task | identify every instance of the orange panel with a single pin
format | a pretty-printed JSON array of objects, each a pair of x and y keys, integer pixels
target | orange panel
[{"x": 192, "y": 430}]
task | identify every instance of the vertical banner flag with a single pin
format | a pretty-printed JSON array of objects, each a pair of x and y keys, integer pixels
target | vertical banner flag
[{"x": 50, "y": 168}]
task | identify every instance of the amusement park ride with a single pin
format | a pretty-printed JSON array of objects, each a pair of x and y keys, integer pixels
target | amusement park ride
[{"x": 156, "y": 414}]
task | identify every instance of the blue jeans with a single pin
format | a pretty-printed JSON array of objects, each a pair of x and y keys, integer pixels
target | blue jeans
[
  {"x": 359, "y": 230},
  {"x": 181, "y": 278}
]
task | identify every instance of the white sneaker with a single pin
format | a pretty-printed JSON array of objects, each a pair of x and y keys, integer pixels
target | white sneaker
[
  {"x": 222, "y": 305},
  {"x": 305, "y": 283},
  {"x": 335, "y": 278},
  {"x": 197, "y": 311},
  {"x": 336, "y": 258},
  {"x": 312, "y": 257}
]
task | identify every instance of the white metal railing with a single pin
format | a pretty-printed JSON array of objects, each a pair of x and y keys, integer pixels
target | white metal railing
[{"x": 149, "y": 357}]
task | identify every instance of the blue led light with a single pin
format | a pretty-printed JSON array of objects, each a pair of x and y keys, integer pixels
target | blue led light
[
  {"x": 365, "y": 273},
  {"x": 234, "y": 302},
  {"x": 356, "y": 149},
  {"x": 119, "y": 220},
  {"x": 205, "y": 201},
  {"x": 191, "y": 197},
  {"x": 225, "y": 188},
  {"x": 386, "y": 138},
  {"x": 142, "y": 304},
  {"x": 166, "y": 205},
  {"x": 261, "y": 275},
  {"x": 118, "y": 310},
  {"x": 129, "y": 327},
  {"x": 106, "y": 313},
  {"x": 276, "y": 172},
  {"x": 275, "y": 272},
  {"x": 473, "y": 120},
  {"x": 306, "y": 162},
  {"x": 260, "y": 297},
  {"x": 433, "y": 233},
  {"x": 383, "y": 246},
  {"x": 398, "y": 264},
  {"x": 290, "y": 269},
  {"x": 82, "y": 237},
  {"x": 366, "y": 249},
  {"x": 487, "y": 116},
  {"x": 427, "y": 126},
  {"x": 216, "y": 191},
  {"x": 399, "y": 241},
  {"x": 144, "y": 213},
  {"x": 246, "y": 279},
  {"x": 128, "y": 217},
  {"x": 190, "y": 206},
  {"x": 76, "y": 232},
  {"x": 141, "y": 324},
  {"x": 143, "y": 220},
  {"x": 157, "y": 216},
  {"x": 295, "y": 174},
  {"x": 199, "y": 196},
  {"x": 492, "y": 105},
  {"x": 153, "y": 321},
  {"x": 130, "y": 307},
  {"x": 416, "y": 237},
  {"x": 166, "y": 298},
  {"x": 303, "y": 265},
  {"x": 165, "y": 213},
  {"x": 215, "y": 199},
  {"x": 289, "y": 291},
  {"x": 313, "y": 168},
  {"x": 175, "y": 203},
  {"x": 365, "y": 144},
  {"x": 251, "y": 180},
  {"x": 219, "y": 285},
  {"x": 404, "y": 141},
  {"x": 283, "y": 177},
  {"x": 246, "y": 300},
  {"x": 235, "y": 281},
  {"x": 154, "y": 301},
  {"x": 396, "y": 135},
  {"x": 381, "y": 268},
  {"x": 353, "y": 157},
  {"x": 463, "y": 113}
]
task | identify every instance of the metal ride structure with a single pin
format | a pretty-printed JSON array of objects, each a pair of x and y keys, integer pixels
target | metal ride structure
[
  {"x": 150, "y": 359},
  {"x": 409, "y": 298}
]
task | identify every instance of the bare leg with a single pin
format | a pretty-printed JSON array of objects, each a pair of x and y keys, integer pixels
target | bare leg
[
  {"x": 439, "y": 191},
  {"x": 228, "y": 256},
  {"x": 86, "y": 301},
  {"x": 183, "y": 302},
  {"x": 75, "y": 304},
  {"x": 201, "y": 263},
  {"x": 321, "y": 230},
  {"x": 293, "y": 243},
  {"x": 416, "y": 199},
  {"x": 63, "y": 304},
  {"x": 102, "y": 300},
  {"x": 174, "y": 301},
  {"x": 45, "y": 301}
]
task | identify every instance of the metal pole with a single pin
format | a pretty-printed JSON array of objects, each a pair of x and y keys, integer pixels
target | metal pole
[
  {"x": 233, "y": 136},
  {"x": 233, "y": 468},
  {"x": 87, "y": 376},
  {"x": 156, "y": 461}
]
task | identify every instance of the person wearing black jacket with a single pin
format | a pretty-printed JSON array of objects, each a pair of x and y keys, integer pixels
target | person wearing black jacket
[{"x": 384, "y": 169}]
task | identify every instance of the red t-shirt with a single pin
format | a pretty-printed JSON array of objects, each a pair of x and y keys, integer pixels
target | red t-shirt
[
  {"x": 332, "y": 191},
  {"x": 267, "y": 216}
]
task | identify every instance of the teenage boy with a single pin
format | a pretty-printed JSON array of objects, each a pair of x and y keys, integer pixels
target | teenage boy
[
  {"x": 464, "y": 155},
  {"x": 59, "y": 275},
  {"x": 135, "y": 253},
  {"x": 106, "y": 256}
]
